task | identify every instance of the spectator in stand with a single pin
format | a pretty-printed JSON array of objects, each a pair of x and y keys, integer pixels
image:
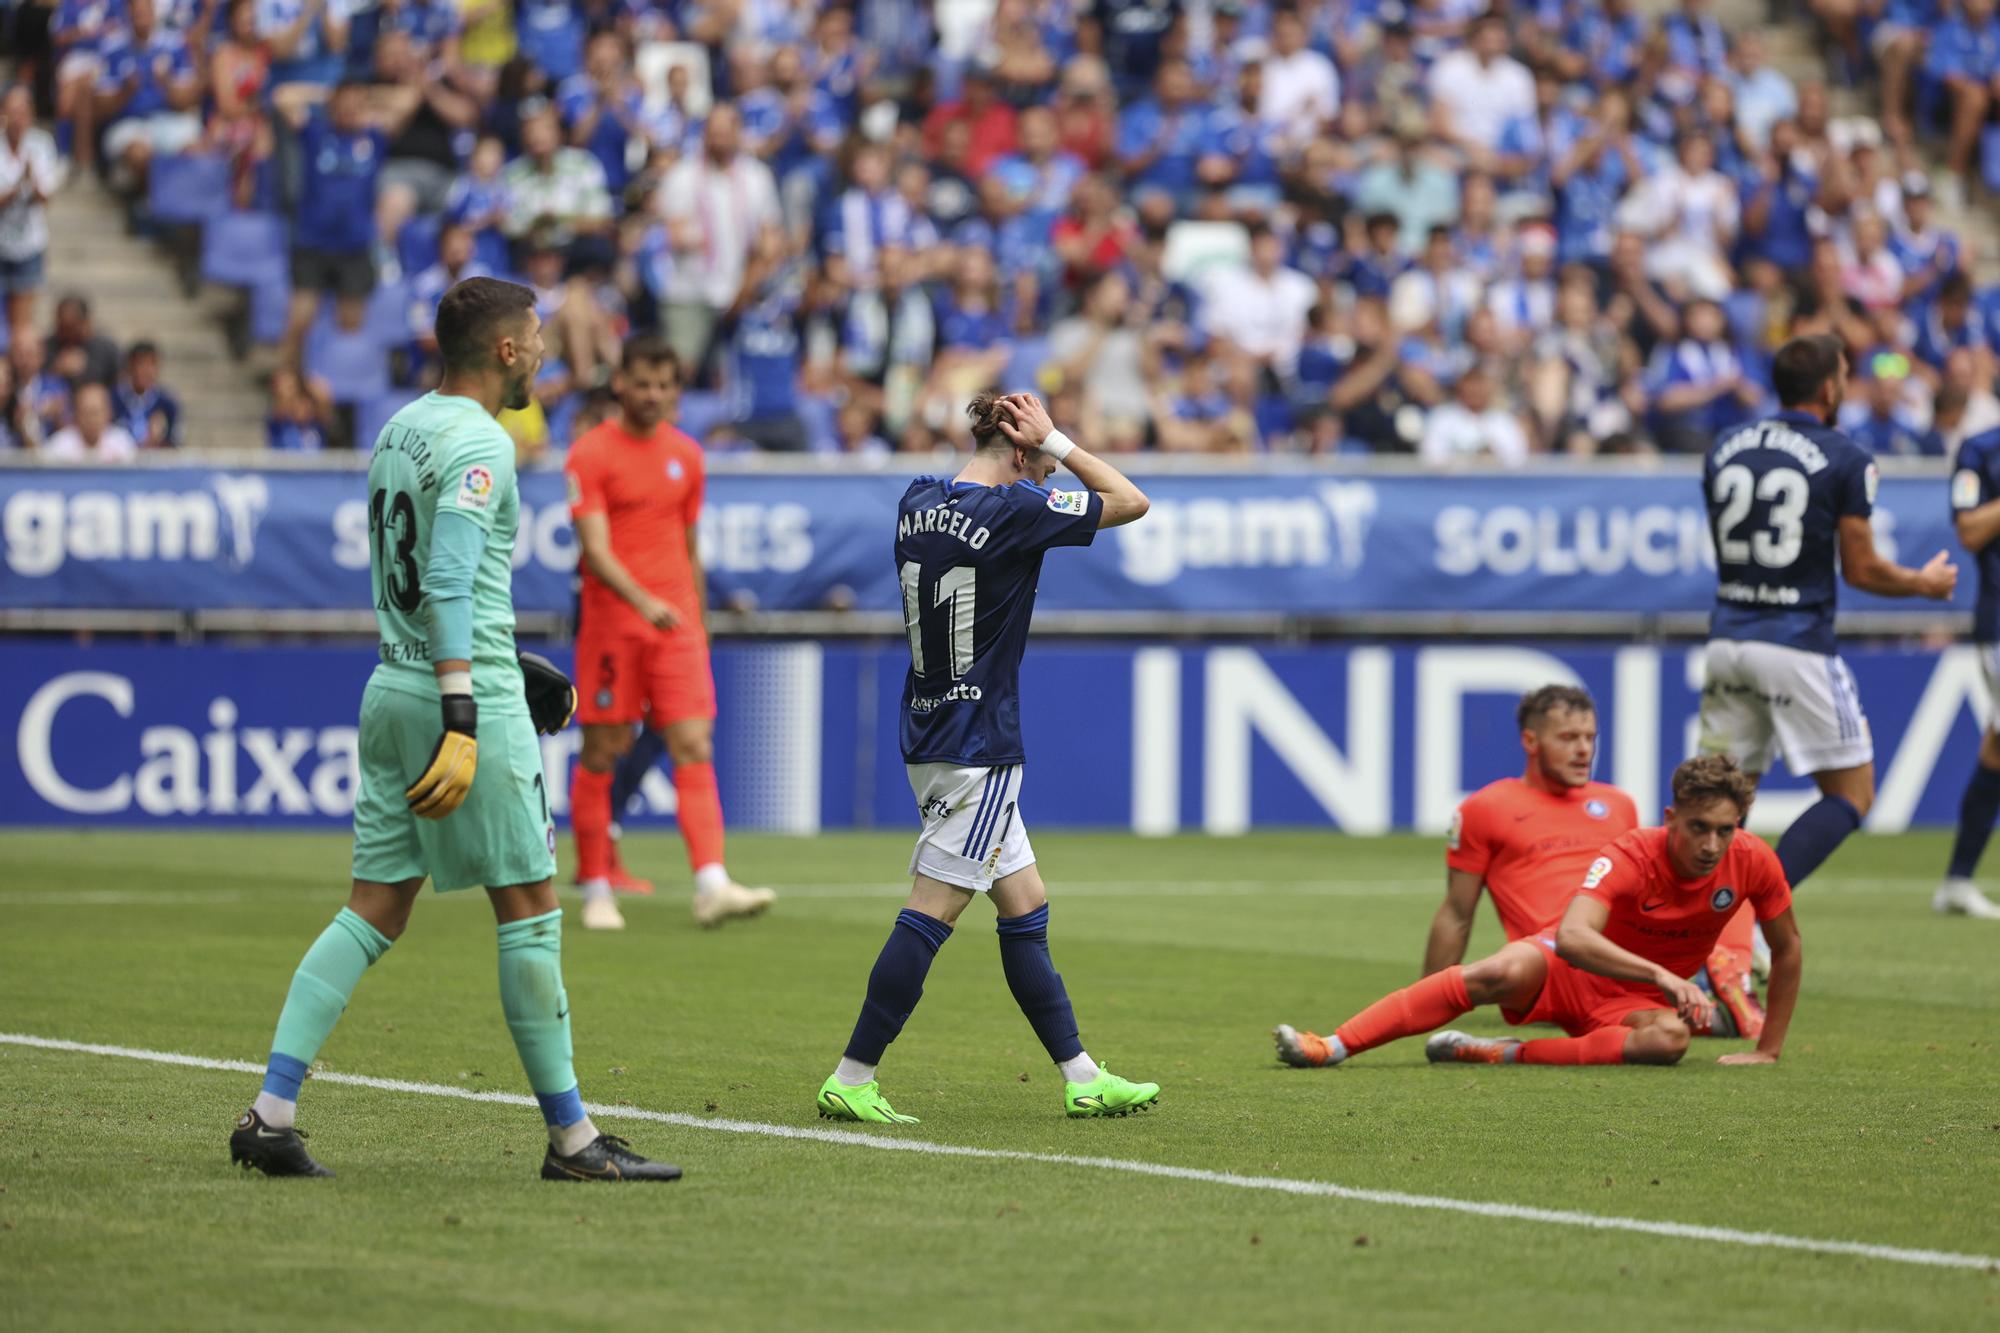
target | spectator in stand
[
  {"x": 1764, "y": 96},
  {"x": 1689, "y": 214},
  {"x": 479, "y": 198},
  {"x": 989, "y": 120},
  {"x": 1094, "y": 236},
  {"x": 1697, "y": 44},
  {"x": 1927, "y": 252},
  {"x": 1102, "y": 353},
  {"x": 1581, "y": 383},
  {"x": 1477, "y": 90},
  {"x": 239, "y": 71},
  {"x": 761, "y": 373},
  {"x": 1964, "y": 56},
  {"x": 1885, "y": 418},
  {"x": 1259, "y": 311},
  {"x": 301, "y": 414},
  {"x": 858, "y": 432},
  {"x": 1953, "y": 323},
  {"x": 141, "y": 405},
  {"x": 1589, "y": 180},
  {"x": 422, "y": 110},
  {"x": 1300, "y": 88},
  {"x": 714, "y": 203},
  {"x": 307, "y": 40},
  {"x": 93, "y": 435},
  {"x": 44, "y": 395},
  {"x": 18, "y": 427},
  {"x": 1697, "y": 386},
  {"x": 333, "y": 237},
  {"x": 457, "y": 260},
  {"x": 78, "y": 33},
  {"x": 557, "y": 194},
  {"x": 1869, "y": 273},
  {"x": 1525, "y": 304},
  {"x": 1413, "y": 188},
  {"x": 1042, "y": 176},
  {"x": 1160, "y": 140},
  {"x": 603, "y": 107},
  {"x": 30, "y": 174},
  {"x": 1473, "y": 428},
  {"x": 75, "y": 349},
  {"x": 148, "y": 97}
]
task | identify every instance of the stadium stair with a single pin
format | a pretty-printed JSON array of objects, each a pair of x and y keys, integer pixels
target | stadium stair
[{"x": 134, "y": 294}]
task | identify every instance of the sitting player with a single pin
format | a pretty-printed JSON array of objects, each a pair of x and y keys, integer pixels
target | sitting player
[
  {"x": 1529, "y": 840},
  {"x": 1616, "y": 975}
]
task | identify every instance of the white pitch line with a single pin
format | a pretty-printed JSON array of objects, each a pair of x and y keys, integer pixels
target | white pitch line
[{"x": 1273, "y": 1184}]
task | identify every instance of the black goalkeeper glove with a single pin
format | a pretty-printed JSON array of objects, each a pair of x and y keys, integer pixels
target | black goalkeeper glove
[
  {"x": 447, "y": 778},
  {"x": 551, "y": 697}
]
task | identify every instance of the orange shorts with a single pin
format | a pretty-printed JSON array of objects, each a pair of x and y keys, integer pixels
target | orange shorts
[
  {"x": 659, "y": 679},
  {"x": 1580, "y": 1002}
]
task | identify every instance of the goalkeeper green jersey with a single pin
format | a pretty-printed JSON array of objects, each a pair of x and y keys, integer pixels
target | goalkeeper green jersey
[{"x": 442, "y": 454}]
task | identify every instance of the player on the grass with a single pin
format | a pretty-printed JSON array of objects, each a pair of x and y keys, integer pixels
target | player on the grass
[
  {"x": 635, "y": 490},
  {"x": 1528, "y": 841},
  {"x": 443, "y": 509},
  {"x": 968, "y": 555},
  {"x": 1975, "y": 510},
  {"x": 1615, "y": 976},
  {"x": 1789, "y": 500}
]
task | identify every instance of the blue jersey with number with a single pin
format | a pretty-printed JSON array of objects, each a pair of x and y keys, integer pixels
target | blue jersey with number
[
  {"x": 968, "y": 558},
  {"x": 1975, "y": 480},
  {"x": 1776, "y": 491}
]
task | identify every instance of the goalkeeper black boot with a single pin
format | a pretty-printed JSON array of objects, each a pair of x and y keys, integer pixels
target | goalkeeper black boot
[
  {"x": 275, "y": 1152},
  {"x": 606, "y": 1157}
]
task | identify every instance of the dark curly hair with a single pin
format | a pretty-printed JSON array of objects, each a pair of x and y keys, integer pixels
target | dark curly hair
[{"x": 1712, "y": 777}]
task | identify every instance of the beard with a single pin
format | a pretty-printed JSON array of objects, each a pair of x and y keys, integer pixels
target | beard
[{"x": 517, "y": 394}]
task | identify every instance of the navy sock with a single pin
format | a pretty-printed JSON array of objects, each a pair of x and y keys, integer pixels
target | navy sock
[
  {"x": 1976, "y": 814},
  {"x": 896, "y": 984},
  {"x": 647, "y": 747},
  {"x": 1037, "y": 986},
  {"x": 1814, "y": 835}
]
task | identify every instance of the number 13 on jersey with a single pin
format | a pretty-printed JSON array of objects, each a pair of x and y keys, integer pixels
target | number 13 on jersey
[{"x": 948, "y": 612}]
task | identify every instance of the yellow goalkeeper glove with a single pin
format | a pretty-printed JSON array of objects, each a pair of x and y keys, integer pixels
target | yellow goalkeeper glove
[{"x": 448, "y": 777}]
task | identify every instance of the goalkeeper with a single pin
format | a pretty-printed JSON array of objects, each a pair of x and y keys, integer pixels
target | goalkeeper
[{"x": 451, "y": 784}]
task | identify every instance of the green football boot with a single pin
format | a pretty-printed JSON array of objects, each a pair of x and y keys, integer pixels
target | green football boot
[
  {"x": 837, "y": 1101},
  {"x": 1108, "y": 1094}
]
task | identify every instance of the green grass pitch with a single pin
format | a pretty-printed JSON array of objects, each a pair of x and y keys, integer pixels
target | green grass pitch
[{"x": 119, "y": 1209}]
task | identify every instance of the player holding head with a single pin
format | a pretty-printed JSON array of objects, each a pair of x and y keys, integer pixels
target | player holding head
[
  {"x": 1528, "y": 841},
  {"x": 635, "y": 486},
  {"x": 443, "y": 510},
  {"x": 1788, "y": 497},
  {"x": 1975, "y": 509},
  {"x": 968, "y": 554},
  {"x": 1615, "y": 976}
]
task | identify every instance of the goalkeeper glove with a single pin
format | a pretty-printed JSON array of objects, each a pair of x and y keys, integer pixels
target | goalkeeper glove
[
  {"x": 448, "y": 777},
  {"x": 551, "y": 697}
]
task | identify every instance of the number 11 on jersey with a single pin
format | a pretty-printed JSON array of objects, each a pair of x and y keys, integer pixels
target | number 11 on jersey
[{"x": 956, "y": 597}]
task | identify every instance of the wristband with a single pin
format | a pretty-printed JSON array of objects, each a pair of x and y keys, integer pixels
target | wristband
[
  {"x": 455, "y": 682},
  {"x": 1058, "y": 446}
]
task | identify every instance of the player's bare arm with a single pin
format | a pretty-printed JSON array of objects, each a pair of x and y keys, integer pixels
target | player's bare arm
[
  {"x": 1580, "y": 941},
  {"x": 1451, "y": 928},
  {"x": 1787, "y": 965},
  {"x": 1863, "y": 566},
  {"x": 593, "y": 535},
  {"x": 1031, "y": 427},
  {"x": 1978, "y": 527}
]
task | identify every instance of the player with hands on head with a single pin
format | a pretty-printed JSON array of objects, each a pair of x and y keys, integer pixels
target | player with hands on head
[{"x": 968, "y": 557}]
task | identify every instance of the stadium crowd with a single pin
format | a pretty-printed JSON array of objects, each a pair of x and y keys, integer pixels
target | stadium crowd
[{"x": 1222, "y": 226}]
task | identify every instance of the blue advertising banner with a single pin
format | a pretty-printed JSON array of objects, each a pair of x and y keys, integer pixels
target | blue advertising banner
[
  {"x": 1222, "y": 738},
  {"x": 1315, "y": 543}
]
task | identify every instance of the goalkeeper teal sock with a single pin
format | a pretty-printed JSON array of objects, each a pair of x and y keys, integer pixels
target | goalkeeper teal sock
[
  {"x": 537, "y": 1009},
  {"x": 326, "y": 977}
]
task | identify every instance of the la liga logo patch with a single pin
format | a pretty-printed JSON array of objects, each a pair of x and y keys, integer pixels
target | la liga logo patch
[
  {"x": 475, "y": 489},
  {"x": 1070, "y": 502},
  {"x": 1598, "y": 870}
]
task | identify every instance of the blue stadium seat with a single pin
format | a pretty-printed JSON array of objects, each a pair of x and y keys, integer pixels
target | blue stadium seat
[
  {"x": 270, "y": 309},
  {"x": 702, "y": 412},
  {"x": 244, "y": 249},
  {"x": 187, "y": 187},
  {"x": 1989, "y": 156},
  {"x": 417, "y": 245},
  {"x": 354, "y": 365},
  {"x": 388, "y": 317},
  {"x": 371, "y": 414}
]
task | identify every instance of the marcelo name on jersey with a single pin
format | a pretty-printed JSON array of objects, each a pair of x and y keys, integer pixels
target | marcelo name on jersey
[
  {"x": 1776, "y": 492},
  {"x": 968, "y": 558}
]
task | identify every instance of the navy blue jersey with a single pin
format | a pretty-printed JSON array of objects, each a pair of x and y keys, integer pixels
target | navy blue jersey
[
  {"x": 1975, "y": 480},
  {"x": 968, "y": 558},
  {"x": 1776, "y": 491}
]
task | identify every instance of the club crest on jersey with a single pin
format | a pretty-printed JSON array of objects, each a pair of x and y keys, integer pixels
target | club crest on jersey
[
  {"x": 1596, "y": 809},
  {"x": 1598, "y": 870},
  {"x": 475, "y": 489},
  {"x": 674, "y": 469},
  {"x": 1722, "y": 899},
  {"x": 1070, "y": 502},
  {"x": 1965, "y": 489}
]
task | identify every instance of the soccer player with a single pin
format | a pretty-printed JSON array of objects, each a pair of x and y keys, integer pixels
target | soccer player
[
  {"x": 969, "y": 554},
  {"x": 1528, "y": 841},
  {"x": 1787, "y": 497},
  {"x": 635, "y": 487},
  {"x": 1975, "y": 509},
  {"x": 1615, "y": 976},
  {"x": 443, "y": 512}
]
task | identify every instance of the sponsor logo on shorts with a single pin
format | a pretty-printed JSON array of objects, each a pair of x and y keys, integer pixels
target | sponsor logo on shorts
[
  {"x": 475, "y": 489},
  {"x": 1598, "y": 870},
  {"x": 1070, "y": 502},
  {"x": 1722, "y": 899},
  {"x": 937, "y": 807},
  {"x": 1596, "y": 809}
]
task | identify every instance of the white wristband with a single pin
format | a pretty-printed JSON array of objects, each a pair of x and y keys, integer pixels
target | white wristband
[
  {"x": 455, "y": 682},
  {"x": 1058, "y": 446}
]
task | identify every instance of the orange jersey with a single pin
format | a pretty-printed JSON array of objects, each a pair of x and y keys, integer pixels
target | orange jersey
[
  {"x": 1532, "y": 847},
  {"x": 1676, "y": 922},
  {"x": 649, "y": 491}
]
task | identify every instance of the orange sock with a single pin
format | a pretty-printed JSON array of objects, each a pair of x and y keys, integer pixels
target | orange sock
[
  {"x": 1606, "y": 1046},
  {"x": 700, "y": 813},
  {"x": 590, "y": 822},
  {"x": 1430, "y": 1003}
]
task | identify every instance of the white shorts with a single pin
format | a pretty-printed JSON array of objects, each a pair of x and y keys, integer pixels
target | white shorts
[
  {"x": 1989, "y": 667},
  {"x": 166, "y": 133},
  {"x": 1762, "y": 698},
  {"x": 973, "y": 832}
]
